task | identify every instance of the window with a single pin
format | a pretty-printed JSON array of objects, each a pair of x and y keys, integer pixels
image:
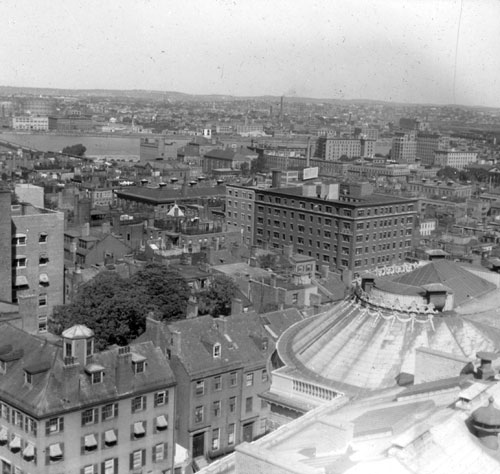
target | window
[
  {"x": 248, "y": 404},
  {"x": 217, "y": 383},
  {"x": 161, "y": 398},
  {"x": 55, "y": 453},
  {"x": 90, "y": 416},
  {"x": 230, "y": 434},
  {"x": 139, "y": 366},
  {"x": 138, "y": 430},
  {"x": 159, "y": 452},
  {"x": 295, "y": 298},
  {"x": 42, "y": 301},
  {"x": 110, "y": 466},
  {"x": 137, "y": 459},
  {"x": 217, "y": 408},
  {"x": 43, "y": 259},
  {"x": 199, "y": 387},
  {"x": 215, "y": 439},
  {"x": 109, "y": 411},
  {"x": 89, "y": 469},
  {"x": 30, "y": 425},
  {"x": 198, "y": 414},
  {"x": 88, "y": 443},
  {"x": 97, "y": 377},
  {"x": 19, "y": 239},
  {"x": 20, "y": 262},
  {"x": 28, "y": 378},
  {"x": 233, "y": 379},
  {"x": 265, "y": 376},
  {"x": 42, "y": 238},
  {"x": 232, "y": 404},
  {"x": 54, "y": 425},
  {"x": 249, "y": 379},
  {"x": 138, "y": 404}
]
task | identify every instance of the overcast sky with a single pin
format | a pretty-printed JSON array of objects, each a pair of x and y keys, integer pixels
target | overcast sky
[{"x": 400, "y": 50}]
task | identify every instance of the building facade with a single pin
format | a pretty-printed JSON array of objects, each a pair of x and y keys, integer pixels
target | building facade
[
  {"x": 240, "y": 211},
  {"x": 427, "y": 144},
  {"x": 342, "y": 231},
  {"x": 104, "y": 412},
  {"x": 220, "y": 365},
  {"x": 404, "y": 147},
  {"x": 332, "y": 148},
  {"x": 37, "y": 259},
  {"x": 30, "y": 122},
  {"x": 454, "y": 158}
]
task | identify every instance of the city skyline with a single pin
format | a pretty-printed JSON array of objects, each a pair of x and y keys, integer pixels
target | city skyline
[{"x": 406, "y": 52}]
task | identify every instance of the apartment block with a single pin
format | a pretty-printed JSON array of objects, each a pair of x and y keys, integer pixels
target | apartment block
[
  {"x": 404, "y": 147},
  {"x": 354, "y": 230},
  {"x": 30, "y": 122},
  {"x": 66, "y": 408},
  {"x": 37, "y": 258}
]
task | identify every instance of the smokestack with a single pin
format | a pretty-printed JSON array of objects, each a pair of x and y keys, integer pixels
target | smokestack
[
  {"x": 276, "y": 179},
  {"x": 308, "y": 153}
]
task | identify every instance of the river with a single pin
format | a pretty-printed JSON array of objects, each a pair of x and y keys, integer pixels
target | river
[{"x": 97, "y": 146}]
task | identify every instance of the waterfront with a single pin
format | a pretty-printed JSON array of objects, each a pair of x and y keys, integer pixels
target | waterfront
[{"x": 98, "y": 146}]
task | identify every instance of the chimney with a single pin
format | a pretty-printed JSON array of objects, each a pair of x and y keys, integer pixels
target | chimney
[
  {"x": 315, "y": 302},
  {"x": 85, "y": 229},
  {"x": 192, "y": 308},
  {"x": 28, "y": 311},
  {"x": 273, "y": 280},
  {"x": 236, "y": 306},
  {"x": 176, "y": 342},
  {"x": 123, "y": 372},
  {"x": 308, "y": 153},
  {"x": 325, "y": 271},
  {"x": 71, "y": 378},
  {"x": 276, "y": 178},
  {"x": 153, "y": 328},
  {"x": 485, "y": 370},
  {"x": 436, "y": 294}
]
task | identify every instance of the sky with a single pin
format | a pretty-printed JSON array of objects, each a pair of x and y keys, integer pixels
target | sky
[{"x": 416, "y": 51}]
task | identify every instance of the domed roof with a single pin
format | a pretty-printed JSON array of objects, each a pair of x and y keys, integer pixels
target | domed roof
[
  {"x": 489, "y": 415},
  {"x": 78, "y": 331}
]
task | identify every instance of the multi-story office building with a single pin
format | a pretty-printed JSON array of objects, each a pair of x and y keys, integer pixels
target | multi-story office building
[
  {"x": 332, "y": 148},
  {"x": 427, "y": 144},
  {"x": 31, "y": 262},
  {"x": 30, "y": 122},
  {"x": 240, "y": 210},
  {"x": 220, "y": 366},
  {"x": 353, "y": 230},
  {"x": 454, "y": 158},
  {"x": 66, "y": 408},
  {"x": 404, "y": 147}
]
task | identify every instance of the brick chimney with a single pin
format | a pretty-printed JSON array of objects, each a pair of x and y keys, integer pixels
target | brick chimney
[
  {"x": 28, "y": 311},
  {"x": 485, "y": 371},
  {"x": 176, "y": 342},
  {"x": 71, "y": 378},
  {"x": 123, "y": 369}
]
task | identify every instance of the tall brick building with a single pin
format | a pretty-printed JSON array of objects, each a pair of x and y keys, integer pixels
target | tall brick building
[
  {"x": 348, "y": 228},
  {"x": 31, "y": 257}
]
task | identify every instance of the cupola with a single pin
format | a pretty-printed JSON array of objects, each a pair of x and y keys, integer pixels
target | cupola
[{"x": 78, "y": 343}]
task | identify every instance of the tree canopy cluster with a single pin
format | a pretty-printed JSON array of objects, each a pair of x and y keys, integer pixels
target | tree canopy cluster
[
  {"x": 478, "y": 175},
  {"x": 216, "y": 299},
  {"x": 76, "y": 150},
  {"x": 115, "y": 308}
]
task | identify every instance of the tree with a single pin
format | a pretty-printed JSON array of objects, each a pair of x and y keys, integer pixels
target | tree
[
  {"x": 245, "y": 169},
  {"x": 258, "y": 165},
  {"x": 107, "y": 306},
  {"x": 161, "y": 290},
  {"x": 77, "y": 150},
  {"x": 216, "y": 299},
  {"x": 115, "y": 308},
  {"x": 448, "y": 172}
]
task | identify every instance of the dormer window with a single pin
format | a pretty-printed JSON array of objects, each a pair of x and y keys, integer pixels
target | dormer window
[
  {"x": 138, "y": 363},
  {"x": 97, "y": 377},
  {"x": 28, "y": 378},
  {"x": 217, "y": 351}
]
